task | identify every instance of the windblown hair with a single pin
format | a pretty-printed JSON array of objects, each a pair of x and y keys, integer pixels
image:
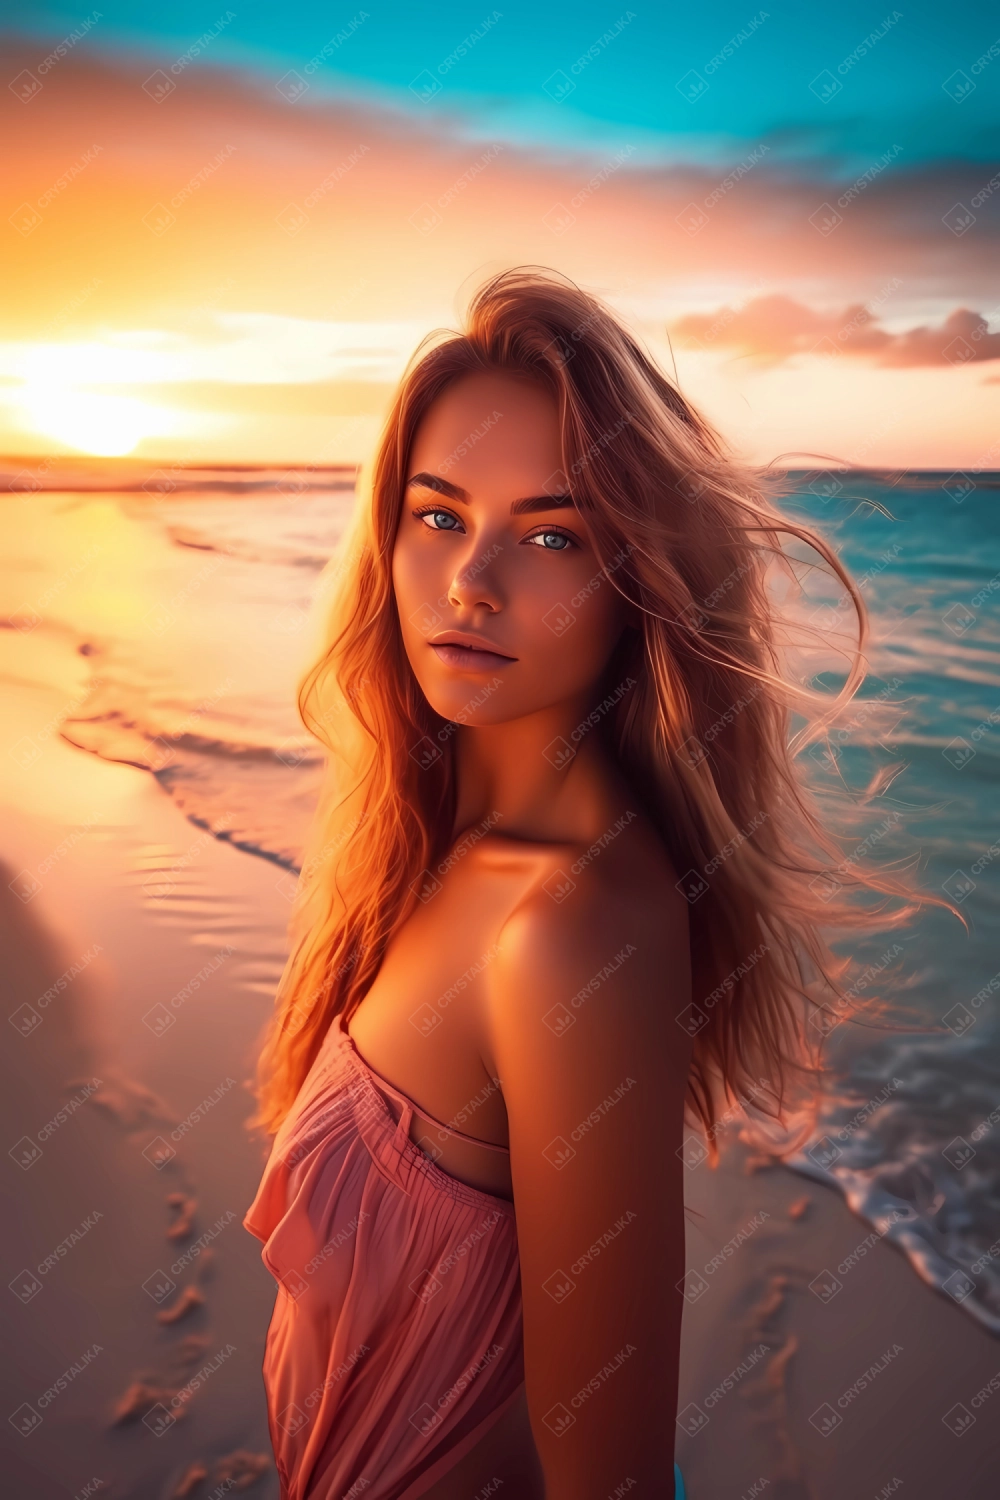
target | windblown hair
[{"x": 693, "y": 537}]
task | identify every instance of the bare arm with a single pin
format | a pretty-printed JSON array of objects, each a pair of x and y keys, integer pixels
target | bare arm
[{"x": 582, "y": 1001}]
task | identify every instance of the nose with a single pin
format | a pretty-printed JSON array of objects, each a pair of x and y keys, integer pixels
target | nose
[{"x": 475, "y": 582}]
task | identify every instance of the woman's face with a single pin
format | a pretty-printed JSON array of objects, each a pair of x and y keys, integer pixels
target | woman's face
[{"x": 503, "y": 606}]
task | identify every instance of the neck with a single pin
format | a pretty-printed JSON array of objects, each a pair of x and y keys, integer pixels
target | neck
[{"x": 517, "y": 779}]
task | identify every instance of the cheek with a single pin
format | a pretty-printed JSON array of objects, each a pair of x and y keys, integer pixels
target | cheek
[
  {"x": 416, "y": 587},
  {"x": 573, "y": 632}
]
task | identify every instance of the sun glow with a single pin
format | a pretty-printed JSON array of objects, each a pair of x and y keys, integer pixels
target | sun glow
[{"x": 108, "y": 426}]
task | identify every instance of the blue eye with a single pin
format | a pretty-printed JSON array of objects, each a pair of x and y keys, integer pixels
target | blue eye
[
  {"x": 551, "y": 541},
  {"x": 439, "y": 520}
]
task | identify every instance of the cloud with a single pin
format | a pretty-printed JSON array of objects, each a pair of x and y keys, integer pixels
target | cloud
[
  {"x": 339, "y": 205},
  {"x": 775, "y": 328}
]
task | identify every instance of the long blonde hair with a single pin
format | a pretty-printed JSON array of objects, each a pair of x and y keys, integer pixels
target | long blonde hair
[{"x": 691, "y": 536}]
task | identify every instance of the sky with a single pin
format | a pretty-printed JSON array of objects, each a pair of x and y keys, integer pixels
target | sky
[{"x": 226, "y": 230}]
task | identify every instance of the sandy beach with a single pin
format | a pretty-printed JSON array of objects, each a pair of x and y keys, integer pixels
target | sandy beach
[
  {"x": 142, "y": 948},
  {"x": 863, "y": 1394},
  {"x": 96, "y": 1222},
  {"x": 146, "y": 955},
  {"x": 762, "y": 1353}
]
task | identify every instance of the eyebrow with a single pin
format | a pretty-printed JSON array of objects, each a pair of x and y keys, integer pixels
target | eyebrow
[{"x": 519, "y": 508}]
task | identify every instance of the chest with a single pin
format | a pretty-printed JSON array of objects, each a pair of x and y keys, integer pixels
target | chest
[{"x": 422, "y": 1026}]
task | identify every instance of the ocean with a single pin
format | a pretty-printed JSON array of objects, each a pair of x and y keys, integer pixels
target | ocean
[{"x": 195, "y": 598}]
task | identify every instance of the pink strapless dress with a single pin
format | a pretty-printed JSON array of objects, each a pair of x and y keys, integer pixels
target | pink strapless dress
[{"x": 396, "y": 1337}]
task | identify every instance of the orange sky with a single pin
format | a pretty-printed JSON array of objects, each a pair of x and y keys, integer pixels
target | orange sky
[{"x": 225, "y": 277}]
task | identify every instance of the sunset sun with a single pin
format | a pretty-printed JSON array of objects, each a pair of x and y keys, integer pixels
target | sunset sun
[{"x": 108, "y": 426}]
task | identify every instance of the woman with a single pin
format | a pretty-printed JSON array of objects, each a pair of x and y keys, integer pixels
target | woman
[{"x": 564, "y": 884}]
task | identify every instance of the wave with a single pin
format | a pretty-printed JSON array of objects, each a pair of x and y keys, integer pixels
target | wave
[
  {"x": 78, "y": 473},
  {"x": 922, "y": 1164},
  {"x": 201, "y": 541},
  {"x": 244, "y": 786}
]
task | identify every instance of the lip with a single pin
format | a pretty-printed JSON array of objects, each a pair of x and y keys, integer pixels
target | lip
[{"x": 469, "y": 653}]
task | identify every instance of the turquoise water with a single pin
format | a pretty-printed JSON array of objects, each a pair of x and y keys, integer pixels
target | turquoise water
[{"x": 910, "y": 1134}]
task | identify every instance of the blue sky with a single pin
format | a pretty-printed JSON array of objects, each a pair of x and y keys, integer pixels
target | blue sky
[{"x": 774, "y": 85}]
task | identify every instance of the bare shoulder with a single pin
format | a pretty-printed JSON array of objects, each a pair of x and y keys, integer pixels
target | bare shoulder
[
  {"x": 584, "y": 913},
  {"x": 624, "y": 871}
]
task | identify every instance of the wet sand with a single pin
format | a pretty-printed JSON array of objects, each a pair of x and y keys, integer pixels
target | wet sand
[
  {"x": 148, "y": 954},
  {"x": 825, "y": 1368},
  {"x": 138, "y": 973}
]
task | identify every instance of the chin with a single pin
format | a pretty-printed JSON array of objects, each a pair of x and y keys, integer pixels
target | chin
[
  {"x": 471, "y": 708},
  {"x": 474, "y": 700}
]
